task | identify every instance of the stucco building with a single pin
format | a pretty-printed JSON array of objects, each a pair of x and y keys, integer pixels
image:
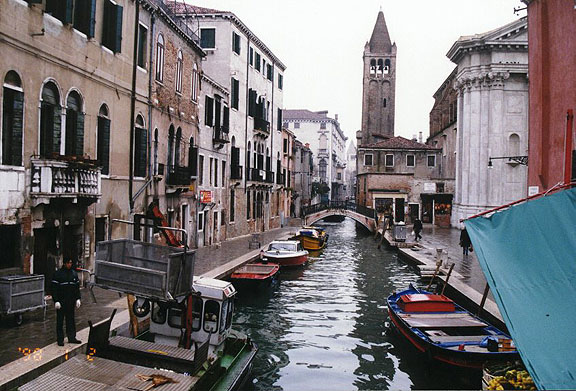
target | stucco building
[
  {"x": 492, "y": 86},
  {"x": 303, "y": 169}
]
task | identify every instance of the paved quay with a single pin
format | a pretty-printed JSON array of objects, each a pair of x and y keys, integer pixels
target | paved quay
[{"x": 30, "y": 349}]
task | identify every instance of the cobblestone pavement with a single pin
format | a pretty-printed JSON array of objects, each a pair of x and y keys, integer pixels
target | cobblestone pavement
[{"x": 37, "y": 331}]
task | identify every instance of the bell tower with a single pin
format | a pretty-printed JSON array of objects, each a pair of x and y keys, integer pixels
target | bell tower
[{"x": 379, "y": 85}]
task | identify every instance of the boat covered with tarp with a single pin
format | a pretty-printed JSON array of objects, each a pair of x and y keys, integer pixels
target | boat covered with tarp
[
  {"x": 312, "y": 238},
  {"x": 528, "y": 255}
]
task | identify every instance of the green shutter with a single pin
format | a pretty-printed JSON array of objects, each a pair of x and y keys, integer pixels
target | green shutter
[
  {"x": 118, "y": 30},
  {"x": 79, "y": 135},
  {"x": 56, "y": 130},
  {"x": 103, "y": 146},
  {"x": 68, "y": 12},
  {"x": 18, "y": 115},
  {"x": 92, "y": 23},
  {"x": 141, "y": 146},
  {"x": 209, "y": 111}
]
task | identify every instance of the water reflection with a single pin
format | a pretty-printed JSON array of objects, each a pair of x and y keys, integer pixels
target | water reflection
[{"x": 324, "y": 327}]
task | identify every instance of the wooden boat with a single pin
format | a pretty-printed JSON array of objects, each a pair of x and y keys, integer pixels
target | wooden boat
[
  {"x": 286, "y": 253},
  {"x": 446, "y": 332},
  {"x": 312, "y": 238},
  {"x": 255, "y": 276}
]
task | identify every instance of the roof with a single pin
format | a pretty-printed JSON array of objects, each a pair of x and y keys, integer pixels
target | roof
[
  {"x": 380, "y": 40},
  {"x": 527, "y": 255},
  {"x": 182, "y": 7},
  {"x": 399, "y": 142},
  {"x": 303, "y": 114}
]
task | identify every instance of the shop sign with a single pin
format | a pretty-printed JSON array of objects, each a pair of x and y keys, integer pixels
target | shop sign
[
  {"x": 205, "y": 196},
  {"x": 430, "y": 187}
]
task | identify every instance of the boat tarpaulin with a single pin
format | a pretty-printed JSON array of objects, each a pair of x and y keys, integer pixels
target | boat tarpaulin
[{"x": 528, "y": 254}]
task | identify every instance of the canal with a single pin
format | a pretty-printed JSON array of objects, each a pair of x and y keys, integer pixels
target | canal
[{"x": 325, "y": 326}]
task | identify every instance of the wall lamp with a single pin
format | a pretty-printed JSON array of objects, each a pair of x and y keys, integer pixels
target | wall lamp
[{"x": 523, "y": 160}]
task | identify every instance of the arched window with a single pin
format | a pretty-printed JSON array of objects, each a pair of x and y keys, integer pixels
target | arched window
[
  {"x": 380, "y": 66},
  {"x": 514, "y": 145},
  {"x": 140, "y": 147},
  {"x": 12, "y": 120},
  {"x": 170, "y": 155},
  {"x": 192, "y": 158},
  {"x": 74, "y": 143},
  {"x": 179, "y": 66},
  {"x": 384, "y": 102},
  {"x": 195, "y": 83},
  {"x": 387, "y": 66},
  {"x": 373, "y": 67},
  {"x": 103, "y": 141},
  {"x": 160, "y": 58},
  {"x": 322, "y": 170},
  {"x": 178, "y": 143},
  {"x": 50, "y": 120},
  {"x": 323, "y": 144}
]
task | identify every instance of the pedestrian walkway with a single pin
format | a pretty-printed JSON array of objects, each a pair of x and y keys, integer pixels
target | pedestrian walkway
[{"x": 33, "y": 344}]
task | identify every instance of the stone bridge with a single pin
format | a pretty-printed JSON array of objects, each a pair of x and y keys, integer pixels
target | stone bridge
[{"x": 361, "y": 214}]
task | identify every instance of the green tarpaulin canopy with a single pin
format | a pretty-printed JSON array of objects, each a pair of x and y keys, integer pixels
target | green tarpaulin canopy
[{"x": 528, "y": 254}]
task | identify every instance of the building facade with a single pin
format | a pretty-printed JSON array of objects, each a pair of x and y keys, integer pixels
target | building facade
[
  {"x": 552, "y": 147},
  {"x": 328, "y": 145},
  {"x": 492, "y": 87},
  {"x": 240, "y": 62},
  {"x": 303, "y": 169}
]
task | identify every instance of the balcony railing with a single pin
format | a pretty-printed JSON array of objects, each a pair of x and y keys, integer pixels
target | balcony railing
[
  {"x": 279, "y": 179},
  {"x": 262, "y": 125},
  {"x": 259, "y": 175},
  {"x": 235, "y": 172},
  {"x": 179, "y": 176},
  {"x": 221, "y": 136},
  {"x": 52, "y": 178},
  {"x": 322, "y": 152},
  {"x": 269, "y": 177}
]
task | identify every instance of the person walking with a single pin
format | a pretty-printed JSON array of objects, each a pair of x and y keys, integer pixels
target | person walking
[
  {"x": 66, "y": 295},
  {"x": 417, "y": 229},
  {"x": 465, "y": 242}
]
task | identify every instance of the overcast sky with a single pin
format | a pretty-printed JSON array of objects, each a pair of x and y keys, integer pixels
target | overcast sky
[{"x": 322, "y": 41}]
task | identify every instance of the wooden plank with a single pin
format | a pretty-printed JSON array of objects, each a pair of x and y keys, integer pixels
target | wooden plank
[
  {"x": 442, "y": 320},
  {"x": 457, "y": 315},
  {"x": 457, "y": 338}
]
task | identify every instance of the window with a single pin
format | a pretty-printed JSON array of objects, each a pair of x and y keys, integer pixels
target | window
[
  {"x": 211, "y": 316},
  {"x": 140, "y": 147},
  {"x": 251, "y": 57},
  {"x": 170, "y": 154},
  {"x": 208, "y": 38},
  {"x": 248, "y": 205},
  {"x": 50, "y": 121},
  {"x": 387, "y": 66},
  {"x": 179, "y": 66},
  {"x": 177, "y": 145},
  {"x": 280, "y": 81},
  {"x": 232, "y": 205},
  {"x": 79, "y": 13},
  {"x": 103, "y": 142},
  {"x": 384, "y": 102},
  {"x": 142, "y": 43},
  {"x": 223, "y": 174},
  {"x": 200, "y": 221},
  {"x": 257, "y": 62},
  {"x": 410, "y": 160},
  {"x": 215, "y": 172},
  {"x": 373, "y": 67},
  {"x": 160, "y": 58},
  {"x": 296, "y": 125},
  {"x": 235, "y": 43},
  {"x": 322, "y": 170},
  {"x": 201, "y": 170},
  {"x": 285, "y": 146},
  {"x": 12, "y": 117},
  {"x": 197, "y": 304},
  {"x": 100, "y": 229},
  {"x": 368, "y": 160},
  {"x": 339, "y": 176},
  {"x": 431, "y": 160},
  {"x": 195, "y": 83},
  {"x": 112, "y": 26},
  {"x": 322, "y": 125},
  {"x": 235, "y": 93},
  {"x": 74, "y": 143},
  {"x": 389, "y": 160},
  {"x": 209, "y": 111},
  {"x": 270, "y": 72}
]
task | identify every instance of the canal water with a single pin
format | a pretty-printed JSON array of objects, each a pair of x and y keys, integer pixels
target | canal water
[{"x": 325, "y": 326}]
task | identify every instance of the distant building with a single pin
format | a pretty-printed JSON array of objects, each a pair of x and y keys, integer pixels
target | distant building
[
  {"x": 328, "y": 145},
  {"x": 492, "y": 86},
  {"x": 303, "y": 168},
  {"x": 552, "y": 147},
  {"x": 351, "y": 153}
]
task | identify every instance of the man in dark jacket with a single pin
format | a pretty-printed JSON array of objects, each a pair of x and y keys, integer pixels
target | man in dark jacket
[
  {"x": 66, "y": 295},
  {"x": 417, "y": 229}
]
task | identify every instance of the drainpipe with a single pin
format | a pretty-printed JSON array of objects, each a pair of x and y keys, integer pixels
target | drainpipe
[
  {"x": 133, "y": 107},
  {"x": 246, "y": 118},
  {"x": 151, "y": 164}
]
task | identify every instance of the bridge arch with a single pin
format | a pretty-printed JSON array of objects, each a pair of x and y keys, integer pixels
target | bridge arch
[{"x": 358, "y": 213}]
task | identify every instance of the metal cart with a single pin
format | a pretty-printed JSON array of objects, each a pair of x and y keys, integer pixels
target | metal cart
[{"x": 21, "y": 293}]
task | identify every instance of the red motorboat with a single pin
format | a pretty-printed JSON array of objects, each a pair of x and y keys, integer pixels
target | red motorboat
[
  {"x": 286, "y": 253},
  {"x": 255, "y": 276}
]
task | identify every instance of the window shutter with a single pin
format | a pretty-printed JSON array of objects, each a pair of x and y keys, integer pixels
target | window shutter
[
  {"x": 104, "y": 144},
  {"x": 140, "y": 153},
  {"x": 56, "y": 130},
  {"x": 18, "y": 115},
  {"x": 79, "y": 135},
  {"x": 193, "y": 161},
  {"x": 92, "y": 23},
  {"x": 279, "y": 123},
  {"x": 118, "y": 30},
  {"x": 217, "y": 114},
  {"x": 226, "y": 120},
  {"x": 209, "y": 111},
  {"x": 68, "y": 12},
  {"x": 235, "y": 157}
]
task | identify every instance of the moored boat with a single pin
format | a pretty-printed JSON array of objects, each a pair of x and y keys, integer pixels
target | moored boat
[
  {"x": 286, "y": 253},
  {"x": 257, "y": 275},
  {"x": 447, "y": 332},
  {"x": 312, "y": 238}
]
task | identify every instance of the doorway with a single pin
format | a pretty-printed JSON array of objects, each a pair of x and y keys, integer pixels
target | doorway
[
  {"x": 399, "y": 214},
  {"x": 46, "y": 256}
]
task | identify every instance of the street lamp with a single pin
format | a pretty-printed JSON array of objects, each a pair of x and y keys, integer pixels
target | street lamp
[{"x": 523, "y": 160}]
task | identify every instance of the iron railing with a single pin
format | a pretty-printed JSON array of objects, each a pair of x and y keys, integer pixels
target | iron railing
[
  {"x": 235, "y": 172},
  {"x": 341, "y": 205}
]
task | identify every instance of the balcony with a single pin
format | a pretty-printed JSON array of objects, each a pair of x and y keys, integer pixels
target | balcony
[
  {"x": 62, "y": 179},
  {"x": 323, "y": 153},
  {"x": 279, "y": 179},
  {"x": 235, "y": 172},
  {"x": 179, "y": 176},
  {"x": 258, "y": 175},
  {"x": 221, "y": 136},
  {"x": 262, "y": 125}
]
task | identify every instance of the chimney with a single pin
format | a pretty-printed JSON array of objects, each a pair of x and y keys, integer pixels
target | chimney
[
  {"x": 336, "y": 117},
  {"x": 414, "y": 138},
  {"x": 420, "y": 137}
]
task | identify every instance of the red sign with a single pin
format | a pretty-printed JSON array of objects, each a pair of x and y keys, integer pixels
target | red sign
[{"x": 205, "y": 196}]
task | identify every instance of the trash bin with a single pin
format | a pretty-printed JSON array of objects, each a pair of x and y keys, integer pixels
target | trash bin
[{"x": 400, "y": 232}]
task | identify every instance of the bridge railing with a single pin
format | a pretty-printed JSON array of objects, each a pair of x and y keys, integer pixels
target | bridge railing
[{"x": 346, "y": 205}]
